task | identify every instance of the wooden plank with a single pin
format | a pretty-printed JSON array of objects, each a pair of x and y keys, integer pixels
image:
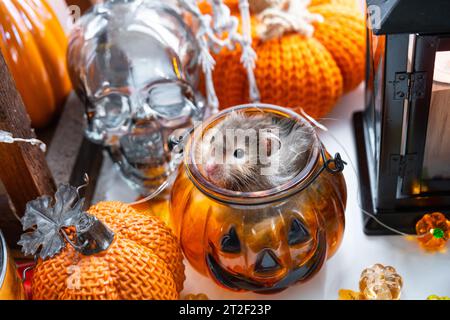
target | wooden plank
[
  {"x": 10, "y": 227},
  {"x": 23, "y": 171},
  {"x": 65, "y": 141},
  {"x": 70, "y": 155}
]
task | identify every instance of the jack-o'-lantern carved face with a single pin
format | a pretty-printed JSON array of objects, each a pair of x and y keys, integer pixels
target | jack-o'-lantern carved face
[{"x": 264, "y": 253}]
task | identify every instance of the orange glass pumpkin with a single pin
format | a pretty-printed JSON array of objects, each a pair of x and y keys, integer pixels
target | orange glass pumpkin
[
  {"x": 11, "y": 287},
  {"x": 263, "y": 241},
  {"x": 34, "y": 46},
  {"x": 433, "y": 231},
  {"x": 297, "y": 71}
]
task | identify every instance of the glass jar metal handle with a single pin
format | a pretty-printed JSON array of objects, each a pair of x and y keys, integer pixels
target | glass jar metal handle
[{"x": 176, "y": 146}]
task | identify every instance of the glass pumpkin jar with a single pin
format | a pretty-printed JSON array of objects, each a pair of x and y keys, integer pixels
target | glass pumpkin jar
[
  {"x": 10, "y": 285},
  {"x": 262, "y": 241}
]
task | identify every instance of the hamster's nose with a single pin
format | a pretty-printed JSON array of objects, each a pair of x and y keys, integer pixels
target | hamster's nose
[
  {"x": 266, "y": 262},
  {"x": 211, "y": 168}
]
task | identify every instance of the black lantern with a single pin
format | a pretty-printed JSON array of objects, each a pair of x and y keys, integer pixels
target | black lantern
[{"x": 403, "y": 135}]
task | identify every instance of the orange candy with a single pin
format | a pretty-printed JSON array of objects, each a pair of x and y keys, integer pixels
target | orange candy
[
  {"x": 200, "y": 296},
  {"x": 433, "y": 231},
  {"x": 345, "y": 294}
]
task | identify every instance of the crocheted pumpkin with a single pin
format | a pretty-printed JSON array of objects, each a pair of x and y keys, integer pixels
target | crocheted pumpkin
[
  {"x": 143, "y": 262},
  {"x": 299, "y": 71},
  {"x": 34, "y": 45}
]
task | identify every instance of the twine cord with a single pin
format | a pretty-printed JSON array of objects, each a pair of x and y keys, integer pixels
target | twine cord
[{"x": 292, "y": 16}]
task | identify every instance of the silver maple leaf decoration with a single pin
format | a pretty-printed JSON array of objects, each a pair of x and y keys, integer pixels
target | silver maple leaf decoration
[{"x": 49, "y": 219}]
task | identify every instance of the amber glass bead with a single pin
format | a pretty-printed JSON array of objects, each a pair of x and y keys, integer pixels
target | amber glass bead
[
  {"x": 380, "y": 283},
  {"x": 433, "y": 231}
]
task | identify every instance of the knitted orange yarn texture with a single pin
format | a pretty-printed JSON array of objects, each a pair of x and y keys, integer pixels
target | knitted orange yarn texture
[
  {"x": 299, "y": 72},
  {"x": 143, "y": 262}
]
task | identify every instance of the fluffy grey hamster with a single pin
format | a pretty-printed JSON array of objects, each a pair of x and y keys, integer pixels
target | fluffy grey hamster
[{"x": 251, "y": 153}]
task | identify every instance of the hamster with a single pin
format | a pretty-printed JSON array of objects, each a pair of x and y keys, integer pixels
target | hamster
[{"x": 249, "y": 153}]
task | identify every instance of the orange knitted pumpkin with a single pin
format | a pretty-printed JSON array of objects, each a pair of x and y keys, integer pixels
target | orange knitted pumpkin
[
  {"x": 144, "y": 261},
  {"x": 297, "y": 71}
]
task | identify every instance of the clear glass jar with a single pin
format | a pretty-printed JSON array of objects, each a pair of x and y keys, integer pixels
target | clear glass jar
[
  {"x": 10, "y": 285},
  {"x": 262, "y": 241}
]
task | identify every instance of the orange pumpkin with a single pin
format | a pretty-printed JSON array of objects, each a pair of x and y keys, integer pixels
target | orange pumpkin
[
  {"x": 143, "y": 262},
  {"x": 297, "y": 71},
  {"x": 11, "y": 288},
  {"x": 34, "y": 46}
]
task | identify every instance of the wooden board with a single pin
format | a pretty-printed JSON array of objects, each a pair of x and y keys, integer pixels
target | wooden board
[
  {"x": 70, "y": 155},
  {"x": 26, "y": 173},
  {"x": 23, "y": 170}
]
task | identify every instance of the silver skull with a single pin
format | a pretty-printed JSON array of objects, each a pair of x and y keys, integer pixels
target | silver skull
[{"x": 134, "y": 64}]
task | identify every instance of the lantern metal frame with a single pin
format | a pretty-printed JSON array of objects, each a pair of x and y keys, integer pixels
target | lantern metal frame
[{"x": 391, "y": 132}]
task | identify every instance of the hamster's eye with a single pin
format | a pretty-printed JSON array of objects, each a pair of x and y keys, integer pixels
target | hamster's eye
[{"x": 239, "y": 153}]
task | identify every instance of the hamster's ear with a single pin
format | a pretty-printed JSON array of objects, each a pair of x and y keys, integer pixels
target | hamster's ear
[{"x": 236, "y": 116}]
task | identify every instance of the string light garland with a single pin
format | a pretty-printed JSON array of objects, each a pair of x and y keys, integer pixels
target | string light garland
[{"x": 7, "y": 137}]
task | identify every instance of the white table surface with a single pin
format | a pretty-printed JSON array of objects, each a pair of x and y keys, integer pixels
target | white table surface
[{"x": 423, "y": 273}]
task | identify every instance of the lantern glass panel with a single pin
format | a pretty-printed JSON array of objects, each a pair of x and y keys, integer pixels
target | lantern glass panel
[
  {"x": 436, "y": 164},
  {"x": 374, "y": 92}
]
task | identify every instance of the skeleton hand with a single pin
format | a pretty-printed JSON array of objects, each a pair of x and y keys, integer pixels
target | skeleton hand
[
  {"x": 206, "y": 59},
  {"x": 248, "y": 58}
]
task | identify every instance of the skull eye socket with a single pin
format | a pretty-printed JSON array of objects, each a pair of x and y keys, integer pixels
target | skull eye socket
[
  {"x": 230, "y": 242},
  {"x": 297, "y": 233},
  {"x": 112, "y": 111},
  {"x": 170, "y": 101}
]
